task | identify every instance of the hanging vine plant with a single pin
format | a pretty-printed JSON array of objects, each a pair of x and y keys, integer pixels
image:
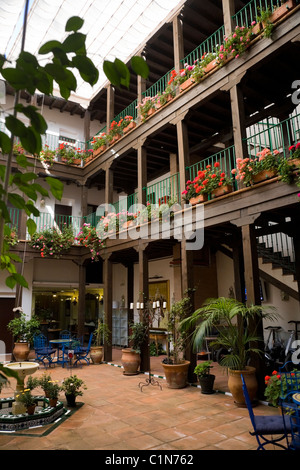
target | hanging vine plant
[{"x": 53, "y": 242}]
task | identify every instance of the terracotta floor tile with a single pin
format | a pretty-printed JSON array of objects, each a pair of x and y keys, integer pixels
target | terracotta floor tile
[{"x": 118, "y": 415}]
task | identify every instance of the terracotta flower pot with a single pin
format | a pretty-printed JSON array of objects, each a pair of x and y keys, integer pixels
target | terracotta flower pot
[
  {"x": 235, "y": 384},
  {"x": 31, "y": 409},
  {"x": 127, "y": 224},
  {"x": 211, "y": 66},
  {"x": 96, "y": 354},
  {"x": 282, "y": 10},
  {"x": 198, "y": 199},
  {"x": 151, "y": 111},
  {"x": 130, "y": 126},
  {"x": 176, "y": 374},
  {"x": 21, "y": 351},
  {"x": 264, "y": 175},
  {"x": 99, "y": 150},
  {"x": 294, "y": 162},
  {"x": 131, "y": 361},
  {"x": 53, "y": 402},
  {"x": 221, "y": 191},
  {"x": 187, "y": 84}
]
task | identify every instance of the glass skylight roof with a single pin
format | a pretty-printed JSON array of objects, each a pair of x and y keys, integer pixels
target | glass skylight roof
[{"x": 115, "y": 28}]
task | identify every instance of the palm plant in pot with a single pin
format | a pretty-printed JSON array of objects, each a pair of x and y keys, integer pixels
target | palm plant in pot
[
  {"x": 101, "y": 336},
  {"x": 131, "y": 356},
  {"x": 205, "y": 378},
  {"x": 237, "y": 327},
  {"x": 176, "y": 367}
]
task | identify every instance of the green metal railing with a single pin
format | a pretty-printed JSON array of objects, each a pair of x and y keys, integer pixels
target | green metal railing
[
  {"x": 225, "y": 157},
  {"x": 129, "y": 111},
  {"x": 249, "y": 13},
  {"x": 207, "y": 46},
  {"x": 164, "y": 191},
  {"x": 47, "y": 221},
  {"x": 159, "y": 86},
  {"x": 14, "y": 215},
  {"x": 274, "y": 135}
]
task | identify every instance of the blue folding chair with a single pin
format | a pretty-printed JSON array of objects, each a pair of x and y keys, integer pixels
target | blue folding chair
[
  {"x": 42, "y": 350},
  {"x": 81, "y": 353},
  {"x": 290, "y": 400},
  {"x": 265, "y": 427}
]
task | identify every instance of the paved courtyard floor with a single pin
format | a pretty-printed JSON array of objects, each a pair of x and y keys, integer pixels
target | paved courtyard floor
[{"x": 118, "y": 415}]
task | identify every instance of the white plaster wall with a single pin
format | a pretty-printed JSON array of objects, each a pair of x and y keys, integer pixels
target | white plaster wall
[{"x": 225, "y": 274}]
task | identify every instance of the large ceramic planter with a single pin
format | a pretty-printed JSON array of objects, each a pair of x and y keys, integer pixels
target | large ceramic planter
[
  {"x": 131, "y": 361},
  {"x": 176, "y": 374},
  {"x": 198, "y": 199},
  {"x": 264, "y": 175},
  {"x": 21, "y": 351},
  {"x": 96, "y": 354},
  {"x": 221, "y": 191},
  {"x": 235, "y": 384}
]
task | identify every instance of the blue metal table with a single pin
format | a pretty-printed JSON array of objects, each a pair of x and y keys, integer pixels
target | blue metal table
[{"x": 61, "y": 342}]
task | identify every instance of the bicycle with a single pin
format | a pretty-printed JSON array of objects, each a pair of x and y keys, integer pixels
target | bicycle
[
  {"x": 274, "y": 349},
  {"x": 291, "y": 348}
]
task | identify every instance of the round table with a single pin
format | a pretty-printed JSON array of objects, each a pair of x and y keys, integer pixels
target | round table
[{"x": 61, "y": 342}]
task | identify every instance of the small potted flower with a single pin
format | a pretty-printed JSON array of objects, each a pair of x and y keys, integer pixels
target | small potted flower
[
  {"x": 47, "y": 156},
  {"x": 185, "y": 77},
  {"x": 147, "y": 107},
  {"x": 115, "y": 131},
  {"x": 28, "y": 400},
  {"x": 72, "y": 387},
  {"x": 192, "y": 194},
  {"x": 44, "y": 382},
  {"x": 205, "y": 378},
  {"x": 254, "y": 170},
  {"x": 89, "y": 237},
  {"x": 53, "y": 392},
  {"x": 99, "y": 143},
  {"x": 128, "y": 124},
  {"x": 294, "y": 158}
]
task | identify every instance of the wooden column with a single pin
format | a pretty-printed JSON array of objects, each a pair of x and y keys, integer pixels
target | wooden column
[
  {"x": 109, "y": 184},
  {"x": 238, "y": 121},
  {"x": 228, "y": 12},
  {"x": 141, "y": 88},
  {"x": 178, "y": 42},
  {"x": 187, "y": 283},
  {"x": 81, "y": 299},
  {"x": 107, "y": 303},
  {"x": 144, "y": 296},
  {"x": 87, "y": 126},
  {"x": 84, "y": 193},
  {"x": 183, "y": 149},
  {"x": 142, "y": 173},
  {"x": 110, "y": 105},
  {"x": 238, "y": 266},
  {"x": 130, "y": 291}
]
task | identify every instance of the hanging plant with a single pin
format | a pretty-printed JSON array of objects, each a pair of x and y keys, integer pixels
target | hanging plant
[
  {"x": 89, "y": 238},
  {"x": 53, "y": 242}
]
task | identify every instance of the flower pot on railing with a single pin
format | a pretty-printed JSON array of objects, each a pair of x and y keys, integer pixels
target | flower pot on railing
[
  {"x": 130, "y": 126},
  {"x": 98, "y": 151},
  {"x": 151, "y": 111},
  {"x": 187, "y": 84},
  {"x": 221, "y": 191},
  {"x": 198, "y": 199},
  {"x": 264, "y": 175},
  {"x": 115, "y": 139},
  {"x": 76, "y": 161},
  {"x": 295, "y": 162},
  {"x": 211, "y": 66},
  {"x": 127, "y": 224},
  {"x": 281, "y": 11}
]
